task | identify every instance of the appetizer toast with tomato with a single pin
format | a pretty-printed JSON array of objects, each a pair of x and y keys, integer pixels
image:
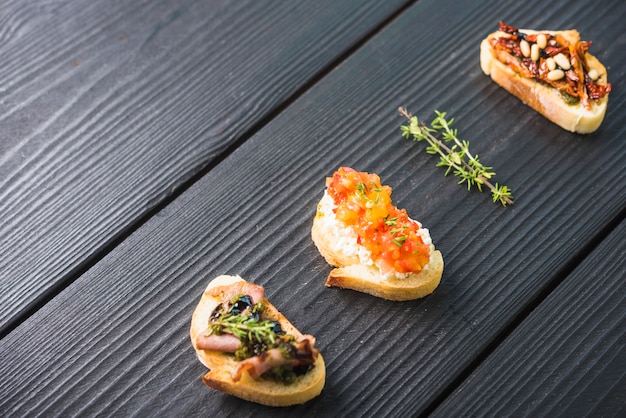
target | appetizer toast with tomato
[
  {"x": 375, "y": 247},
  {"x": 253, "y": 351},
  {"x": 552, "y": 72}
]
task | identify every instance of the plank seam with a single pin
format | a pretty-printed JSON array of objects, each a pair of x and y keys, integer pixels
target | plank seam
[
  {"x": 193, "y": 176},
  {"x": 577, "y": 259}
]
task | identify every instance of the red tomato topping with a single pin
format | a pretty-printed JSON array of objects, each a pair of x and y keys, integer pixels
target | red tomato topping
[{"x": 386, "y": 231}]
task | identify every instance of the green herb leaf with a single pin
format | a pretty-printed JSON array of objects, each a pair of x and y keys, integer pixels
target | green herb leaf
[
  {"x": 391, "y": 221},
  {"x": 399, "y": 240},
  {"x": 248, "y": 329}
]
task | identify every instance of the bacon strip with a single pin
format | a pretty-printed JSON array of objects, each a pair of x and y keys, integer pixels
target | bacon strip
[
  {"x": 257, "y": 365},
  {"x": 226, "y": 343}
]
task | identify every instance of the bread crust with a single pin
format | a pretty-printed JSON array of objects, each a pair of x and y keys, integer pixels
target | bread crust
[
  {"x": 543, "y": 98},
  {"x": 221, "y": 365},
  {"x": 351, "y": 274}
]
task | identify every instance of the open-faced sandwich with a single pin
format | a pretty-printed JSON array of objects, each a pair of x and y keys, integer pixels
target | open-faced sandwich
[
  {"x": 251, "y": 350},
  {"x": 552, "y": 72},
  {"x": 375, "y": 247}
]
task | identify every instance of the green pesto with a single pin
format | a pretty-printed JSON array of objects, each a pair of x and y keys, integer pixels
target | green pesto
[
  {"x": 257, "y": 335},
  {"x": 569, "y": 99}
]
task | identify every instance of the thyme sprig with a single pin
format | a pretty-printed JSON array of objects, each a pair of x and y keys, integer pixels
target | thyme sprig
[{"x": 456, "y": 158}]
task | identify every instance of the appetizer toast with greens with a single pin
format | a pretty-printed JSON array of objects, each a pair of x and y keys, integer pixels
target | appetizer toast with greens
[{"x": 251, "y": 350}]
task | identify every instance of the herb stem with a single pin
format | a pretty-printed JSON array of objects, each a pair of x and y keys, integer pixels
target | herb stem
[{"x": 470, "y": 170}]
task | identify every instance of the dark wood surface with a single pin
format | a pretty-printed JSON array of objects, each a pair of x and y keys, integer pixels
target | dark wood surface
[
  {"x": 110, "y": 109},
  {"x": 567, "y": 357},
  {"x": 146, "y": 147}
]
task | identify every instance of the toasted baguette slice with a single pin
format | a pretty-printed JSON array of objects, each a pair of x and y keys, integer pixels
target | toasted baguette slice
[
  {"x": 350, "y": 274},
  {"x": 543, "y": 98},
  {"x": 339, "y": 246},
  {"x": 221, "y": 365}
]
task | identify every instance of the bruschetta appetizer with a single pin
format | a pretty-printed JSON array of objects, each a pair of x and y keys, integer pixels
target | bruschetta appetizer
[
  {"x": 552, "y": 72},
  {"x": 251, "y": 350},
  {"x": 375, "y": 247}
]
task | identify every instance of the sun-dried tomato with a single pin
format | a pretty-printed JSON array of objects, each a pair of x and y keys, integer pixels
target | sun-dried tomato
[{"x": 576, "y": 81}]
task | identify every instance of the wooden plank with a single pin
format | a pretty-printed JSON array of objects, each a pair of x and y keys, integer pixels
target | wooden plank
[
  {"x": 124, "y": 323},
  {"x": 106, "y": 110},
  {"x": 568, "y": 358}
]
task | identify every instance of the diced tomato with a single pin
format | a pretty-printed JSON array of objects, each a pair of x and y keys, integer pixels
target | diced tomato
[{"x": 386, "y": 231}]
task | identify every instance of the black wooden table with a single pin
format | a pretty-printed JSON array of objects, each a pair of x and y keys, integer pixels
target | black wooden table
[{"x": 149, "y": 146}]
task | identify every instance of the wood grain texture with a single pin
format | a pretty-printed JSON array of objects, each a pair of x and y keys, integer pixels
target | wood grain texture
[
  {"x": 568, "y": 358},
  {"x": 117, "y": 338},
  {"x": 106, "y": 109}
]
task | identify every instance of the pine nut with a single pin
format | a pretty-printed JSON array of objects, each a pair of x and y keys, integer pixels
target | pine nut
[
  {"x": 542, "y": 40},
  {"x": 594, "y": 74},
  {"x": 551, "y": 64},
  {"x": 525, "y": 47},
  {"x": 555, "y": 75},
  {"x": 562, "y": 61},
  {"x": 534, "y": 52}
]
